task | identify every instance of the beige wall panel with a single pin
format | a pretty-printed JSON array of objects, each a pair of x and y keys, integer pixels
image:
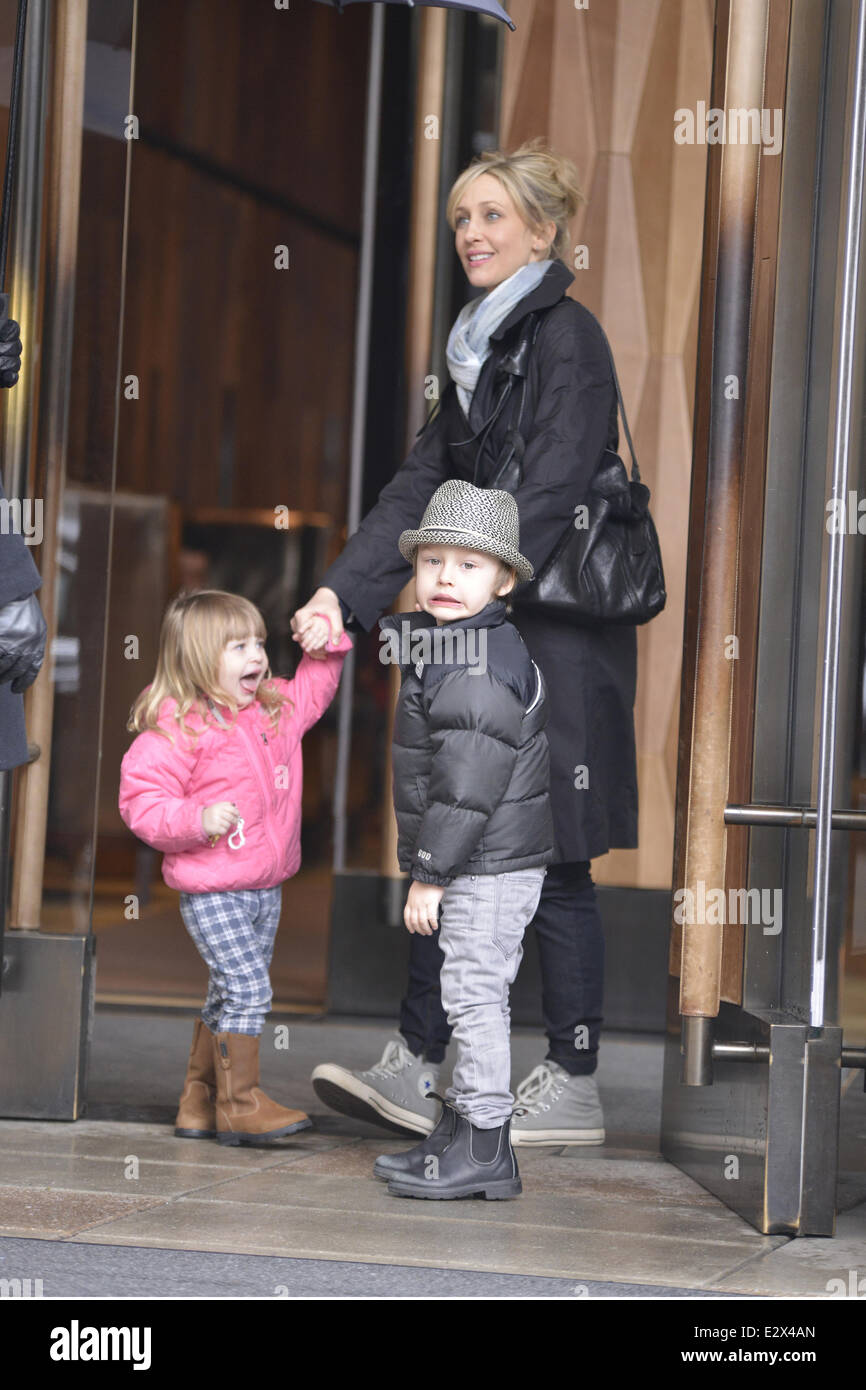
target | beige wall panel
[
  {"x": 514, "y": 60},
  {"x": 652, "y": 159},
  {"x": 689, "y": 352},
  {"x": 637, "y": 25},
  {"x": 671, "y": 751},
  {"x": 529, "y": 104},
  {"x": 602, "y": 27},
  {"x": 590, "y": 229},
  {"x": 666, "y": 410},
  {"x": 572, "y": 106},
  {"x": 648, "y": 866},
  {"x": 687, "y": 189},
  {"x": 623, "y": 311}
]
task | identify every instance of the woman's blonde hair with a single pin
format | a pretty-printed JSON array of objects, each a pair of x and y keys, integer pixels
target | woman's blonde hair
[
  {"x": 543, "y": 186},
  {"x": 196, "y": 629}
]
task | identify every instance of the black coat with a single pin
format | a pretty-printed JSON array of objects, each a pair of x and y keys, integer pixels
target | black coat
[
  {"x": 569, "y": 417},
  {"x": 19, "y": 578},
  {"x": 470, "y": 756}
]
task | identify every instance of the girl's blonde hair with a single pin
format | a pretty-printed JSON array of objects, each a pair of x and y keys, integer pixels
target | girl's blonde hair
[
  {"x": 196, "y": 629},
  {"x": 543, "y": 186}
]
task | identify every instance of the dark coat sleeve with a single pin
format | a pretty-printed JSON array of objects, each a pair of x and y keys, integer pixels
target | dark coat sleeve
[
  {"x": 370, "y": 572},
  {"x": 573, "y": 421},
  {"x": 474, "y": 723}
]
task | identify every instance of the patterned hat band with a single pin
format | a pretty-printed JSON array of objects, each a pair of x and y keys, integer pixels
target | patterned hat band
[{"x": 482, "y": 519}]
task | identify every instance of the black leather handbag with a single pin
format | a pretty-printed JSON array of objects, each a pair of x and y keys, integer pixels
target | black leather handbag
[{"x": 607, "y": 566}]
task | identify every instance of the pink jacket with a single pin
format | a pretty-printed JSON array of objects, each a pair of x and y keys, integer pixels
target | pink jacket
[{"x": 165, "y": 786}]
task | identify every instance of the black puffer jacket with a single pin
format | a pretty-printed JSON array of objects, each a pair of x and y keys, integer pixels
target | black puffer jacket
[{"x": 470, "y": 755}]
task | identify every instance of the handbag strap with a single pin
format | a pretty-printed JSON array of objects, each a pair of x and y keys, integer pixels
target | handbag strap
[
  {"x": 535, "y": 319},
  {"x": 635, "y": 471}
]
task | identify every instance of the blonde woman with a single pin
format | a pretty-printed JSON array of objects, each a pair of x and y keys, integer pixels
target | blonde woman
[{"x": 510, "y": 215}]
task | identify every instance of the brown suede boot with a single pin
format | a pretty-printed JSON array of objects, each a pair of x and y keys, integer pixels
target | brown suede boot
[
  {"x": 245, "y": 1115},
  {"x": 196, "y": 1117}
]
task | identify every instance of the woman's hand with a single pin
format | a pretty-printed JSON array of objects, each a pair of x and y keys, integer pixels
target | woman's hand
[
  {"x": 219, "y": 818},
  {"x": 309, "y": 629},
  {"x": 421, "y": 913}
]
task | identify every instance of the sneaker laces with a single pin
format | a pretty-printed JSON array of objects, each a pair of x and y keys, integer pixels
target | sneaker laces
[
  {"x": 542, "y": 1081},
  {"x": 394, "y": 1059}
]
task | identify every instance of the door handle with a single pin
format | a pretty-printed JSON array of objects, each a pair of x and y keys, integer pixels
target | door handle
[{"x": 792, "y": 816}]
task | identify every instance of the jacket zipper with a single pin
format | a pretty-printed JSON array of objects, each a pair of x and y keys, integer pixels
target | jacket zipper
[
  {"x": 264, "y": 785},
  {"x": 537, "y": 696}
]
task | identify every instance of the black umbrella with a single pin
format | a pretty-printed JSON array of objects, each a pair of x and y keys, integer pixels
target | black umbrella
[{"x": 479, "y": 6}]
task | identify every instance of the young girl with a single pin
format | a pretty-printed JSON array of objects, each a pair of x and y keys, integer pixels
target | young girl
[{"x": 214, "y": 781}]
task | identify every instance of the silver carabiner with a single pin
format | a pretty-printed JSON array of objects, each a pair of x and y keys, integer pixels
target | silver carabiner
[{"x": 238, "y": 831}]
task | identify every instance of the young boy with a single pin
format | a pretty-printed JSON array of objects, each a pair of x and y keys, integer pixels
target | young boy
[{"x": 471, "y": 777}]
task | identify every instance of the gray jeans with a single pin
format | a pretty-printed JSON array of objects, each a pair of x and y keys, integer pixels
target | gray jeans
[{"x": 482, "y": 921}]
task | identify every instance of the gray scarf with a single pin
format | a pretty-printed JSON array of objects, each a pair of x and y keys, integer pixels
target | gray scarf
[{"x": 469, "y": 340}]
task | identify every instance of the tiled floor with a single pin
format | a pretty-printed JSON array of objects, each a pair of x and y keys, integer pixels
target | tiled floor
[{"x": 617, "y": 1213}]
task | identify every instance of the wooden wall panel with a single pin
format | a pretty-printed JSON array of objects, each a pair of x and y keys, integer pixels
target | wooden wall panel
[
  {"x": 603, "y": 83},
  {"x": 251, "y": 138}
]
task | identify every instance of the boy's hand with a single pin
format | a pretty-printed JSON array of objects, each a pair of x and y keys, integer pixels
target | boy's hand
[
  {"x": 219, "y": 818},
  {"x": 421, "y": 913}
]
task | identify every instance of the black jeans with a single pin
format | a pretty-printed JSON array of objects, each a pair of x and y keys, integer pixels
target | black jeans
[{"x": 571, "y": 946}]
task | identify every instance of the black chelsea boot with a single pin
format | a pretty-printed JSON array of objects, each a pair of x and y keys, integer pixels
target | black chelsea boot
[
  {"x": 388, "y": 1165},
  {"x": 475, "y": 1163}
]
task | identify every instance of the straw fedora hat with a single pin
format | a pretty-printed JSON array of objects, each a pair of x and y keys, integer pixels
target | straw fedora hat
[{"x": 479, "y": 518}]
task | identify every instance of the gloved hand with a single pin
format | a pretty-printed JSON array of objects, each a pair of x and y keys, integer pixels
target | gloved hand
[
  {"x": 10, "y": 345},
  {"x": 10, "y": 351},
  {"x": 22, "y": 642}
]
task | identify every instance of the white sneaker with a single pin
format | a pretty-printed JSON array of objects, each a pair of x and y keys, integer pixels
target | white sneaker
[
  {"x": 553, "y": 1107},
  {"x": 391, "y": 1094}
]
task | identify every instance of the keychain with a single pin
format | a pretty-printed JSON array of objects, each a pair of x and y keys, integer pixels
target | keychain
[{"x": 237, "y": 832}]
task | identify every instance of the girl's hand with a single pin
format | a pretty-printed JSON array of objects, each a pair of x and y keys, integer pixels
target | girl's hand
[
  {"x": 421, "y": 913},
  {"x": 219, "y": 818},
  {"x": 324, "y": 601},
  {"x": 315, "y": 637}
]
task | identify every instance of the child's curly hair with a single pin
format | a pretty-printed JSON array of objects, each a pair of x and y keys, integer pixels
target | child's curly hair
[{"x": 196, "y": 629}]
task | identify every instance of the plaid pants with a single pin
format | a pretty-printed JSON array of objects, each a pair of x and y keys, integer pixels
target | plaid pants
[{"x": 234, "y": 935}]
